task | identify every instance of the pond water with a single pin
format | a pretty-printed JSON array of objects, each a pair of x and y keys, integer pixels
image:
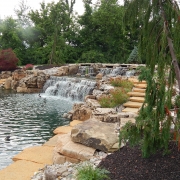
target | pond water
[{"x": 29, "y": 119}]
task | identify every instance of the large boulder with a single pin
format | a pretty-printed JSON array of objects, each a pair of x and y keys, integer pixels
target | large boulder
[
  {"x": 5, "y": 74},
  {"x": 73, "y": 69},
  {"x": 62, "y": 71},
  {"x": 95, "y": 134},
  {"x": 7, "y": 84},
  {"x": 18, "y": 74},
  {"x": 67, "y": 150},
  {"x": 82, "y": 113}
]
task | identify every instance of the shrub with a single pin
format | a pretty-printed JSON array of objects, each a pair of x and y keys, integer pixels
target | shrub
[
  {"x": 8, "y": 60},
  {"x": 118, "y": 82},
  {"x": 28, "y": 67},
  {"x": 88, "y": 172},
  {"x": 116, "y": 97}
]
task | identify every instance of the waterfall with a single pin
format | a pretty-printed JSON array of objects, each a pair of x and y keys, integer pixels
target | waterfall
[
  {"x": 86, "y": 70},
  {"x": 113, "y": 71},
  {"x": 130, "y": 73},
  {"x": 68, "y": 87}
]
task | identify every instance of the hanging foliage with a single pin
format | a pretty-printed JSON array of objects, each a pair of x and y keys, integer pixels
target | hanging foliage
[{"x": 158, "y": 26}]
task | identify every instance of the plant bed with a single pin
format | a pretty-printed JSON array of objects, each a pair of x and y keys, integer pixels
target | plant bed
[{"x": 128, "y": 164}]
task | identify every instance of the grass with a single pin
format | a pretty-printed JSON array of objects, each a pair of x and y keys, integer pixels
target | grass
[{"x": 88, "y": 172}]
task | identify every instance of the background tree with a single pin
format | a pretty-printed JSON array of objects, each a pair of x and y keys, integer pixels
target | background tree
[{"x": 159, "y": 27}]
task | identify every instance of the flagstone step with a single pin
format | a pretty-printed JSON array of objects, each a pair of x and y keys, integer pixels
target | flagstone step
[
  {"x": 141, "y": 86},
  {"x": 137, "y": 99},
  {"x": 136, "y": 81},
  {"x": 37, "y": 154},
  {"x": 20, "y": 170},
  {"x": 139, "y": 90},
  {"x": 134, "y": 110},
  {"x": 132, "y": 104},
  {"x": 137, "y": 94}
]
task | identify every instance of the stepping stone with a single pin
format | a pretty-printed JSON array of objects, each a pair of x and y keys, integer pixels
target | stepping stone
[
  {"x": 139, "y": 90},
  {"x": 20, "y": 170},
  {"x": 136, "y": 81},
  {"x": 133, "y": 104},
  {"x": 75, "y": 122},
  {"x": 62, "y": 130},
  {"x": 137, "y": 94},
  {"x": 141, "y": 86},
  {"x": 38, "y": 154},
  {"x": 134, "y": 110},
  {"x": 137, "y": 99}
]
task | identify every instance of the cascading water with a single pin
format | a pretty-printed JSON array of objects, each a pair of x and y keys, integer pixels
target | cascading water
[
  {"x": 113, "y": 71},
  {"x": 86, "y": 70},
  {"x": 73, "y": 88}
]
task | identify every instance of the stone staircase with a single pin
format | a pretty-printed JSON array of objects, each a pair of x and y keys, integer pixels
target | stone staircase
[{"x": 136, "y": 96}]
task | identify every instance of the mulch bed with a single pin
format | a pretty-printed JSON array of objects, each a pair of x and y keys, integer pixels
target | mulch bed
[{"x": 128, "y": 164}]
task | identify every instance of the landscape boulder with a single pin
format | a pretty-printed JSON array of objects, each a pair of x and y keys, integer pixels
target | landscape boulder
[{"x": 95, "y": 134}]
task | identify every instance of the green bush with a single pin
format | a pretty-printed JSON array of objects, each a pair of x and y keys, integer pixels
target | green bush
[
  {"x": 88, "y": 172},
  {"x": 118, "y": 82},
  {"x": 116, "y": 97}
]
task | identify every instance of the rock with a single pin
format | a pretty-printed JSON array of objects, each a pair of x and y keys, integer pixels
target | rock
[
  {"x": 112, "y": 118},
  {"x": 62, "y": 71},
  {"x": 65, "y": 146},
  {"x": 18, "y": 74},
  {"x": 81, "y": 112},
  {"x": 52, "y": 141},
  {"x": 49, "y": 174},
  {"x": 38, "y": 154},
  {"x": 93, "y": 103},
  {"x": 5, "y": 74},
  {"x": 75, "y": 122},
  {"x": 89, "y": 97},
  {"x": 20, "y": 170},
  {"x": 62, "y": 130},
  {"x": 95, "y": 134},
  {"x": 99, "y": 76},
  {"x": 73, "y": 69},
  {"x": 7, "y": 84}
]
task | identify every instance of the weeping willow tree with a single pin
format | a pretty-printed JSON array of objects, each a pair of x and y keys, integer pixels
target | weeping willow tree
[{"x": 158, "y": 23}]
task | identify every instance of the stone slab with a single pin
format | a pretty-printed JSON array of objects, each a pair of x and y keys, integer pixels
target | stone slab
[
  {"x": 96, "y": 134},
  {"x": 37, "y": 154},
  {"x": 75, "y": 122},
  {"x": 20, "y": 170},
  {"x": 134, "y": 80},
  {"x": 137, "y": 99},
  {"x": 65, "y": 146},
  {"x": 137, "y": 94},
  {"x": 133, "y": 104},
  {"x": 52, "y": 141},
  {"x": 141, "y": 86},
  {"x": 139, "y": 90},
  {"x": 134, "y": 110},
  {"x": 125, "y": 120},
  {"x": 62, "y": 130}
]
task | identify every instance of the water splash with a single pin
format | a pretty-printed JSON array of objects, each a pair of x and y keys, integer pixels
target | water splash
[{"x": 73, "y": 88}]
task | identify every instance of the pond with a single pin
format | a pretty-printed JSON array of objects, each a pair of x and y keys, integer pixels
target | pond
[{"x": 27, "y": 120}]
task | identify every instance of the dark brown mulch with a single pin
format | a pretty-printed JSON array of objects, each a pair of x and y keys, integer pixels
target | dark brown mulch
[{"x": 128, "y": 164}]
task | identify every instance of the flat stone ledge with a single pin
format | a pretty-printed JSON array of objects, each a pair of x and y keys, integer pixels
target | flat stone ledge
[
  {"x": 37, "y": 154},
  {"x": 20, "y": 170},
  {"x": 62, "y": 130}
]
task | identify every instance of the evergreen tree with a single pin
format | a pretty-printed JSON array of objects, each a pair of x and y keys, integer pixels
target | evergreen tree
[{"x": 159, "y": 42}]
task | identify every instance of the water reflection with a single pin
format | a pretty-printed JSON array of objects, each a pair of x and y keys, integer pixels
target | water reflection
[{"x": 28, "y": 120}]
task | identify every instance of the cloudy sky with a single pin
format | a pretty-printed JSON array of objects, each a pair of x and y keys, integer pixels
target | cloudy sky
[{"x": 7, "y": 6}]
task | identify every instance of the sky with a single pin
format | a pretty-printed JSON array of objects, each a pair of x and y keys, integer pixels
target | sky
[{"x": 7, "y": 6}]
